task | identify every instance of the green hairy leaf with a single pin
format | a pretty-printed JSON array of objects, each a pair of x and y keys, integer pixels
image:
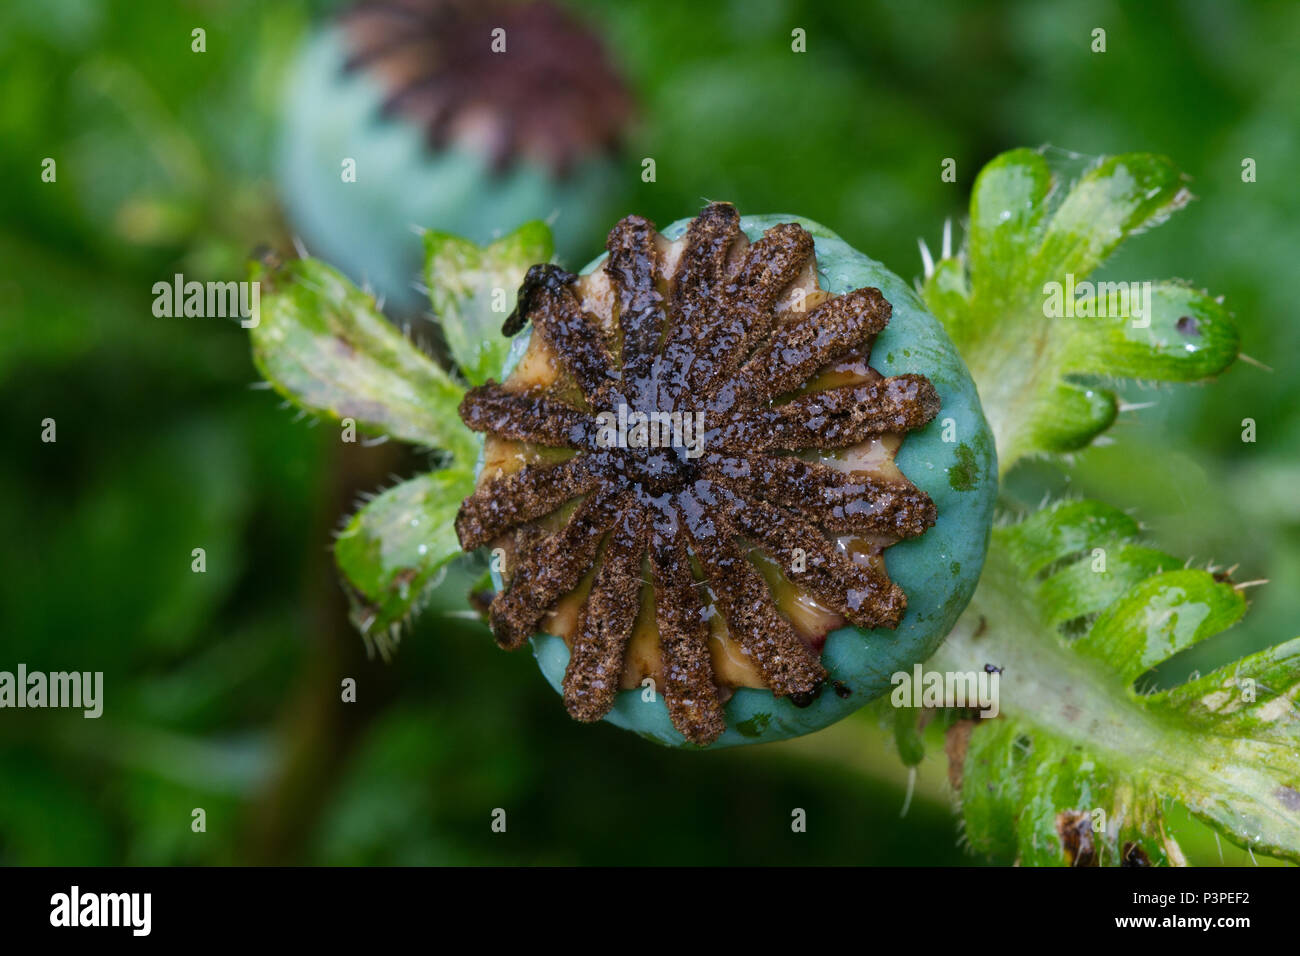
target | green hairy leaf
[
  {"x": 472, "y": 288},
  {"x": 1079, "y": 764},
  {"x": 1040, "y": 337},
  {"x": 324, "y": 345},
  {"x": 394, "y": 551}
]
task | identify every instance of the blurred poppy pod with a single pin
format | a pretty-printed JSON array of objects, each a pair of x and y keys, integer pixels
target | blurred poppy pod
[{"x": 465, "y": 116}]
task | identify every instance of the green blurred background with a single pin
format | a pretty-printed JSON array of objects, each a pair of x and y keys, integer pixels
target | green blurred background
[{"x": 222, "y": 688}]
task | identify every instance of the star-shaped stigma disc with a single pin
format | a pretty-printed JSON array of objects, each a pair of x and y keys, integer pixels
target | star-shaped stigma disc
[{"x": 690, "y": 471}]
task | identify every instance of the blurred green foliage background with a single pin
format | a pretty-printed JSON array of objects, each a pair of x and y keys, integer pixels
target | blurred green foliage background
[{"x": 222, "y": 688}]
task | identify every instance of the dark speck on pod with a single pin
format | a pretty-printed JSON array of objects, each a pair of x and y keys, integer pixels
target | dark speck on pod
[{"x": 805, "y": 698}]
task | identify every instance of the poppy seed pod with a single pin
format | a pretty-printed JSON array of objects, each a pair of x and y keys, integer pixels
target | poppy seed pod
[
  {"x": 465, "y": 116},
  {"x": 735, "y": 476}
]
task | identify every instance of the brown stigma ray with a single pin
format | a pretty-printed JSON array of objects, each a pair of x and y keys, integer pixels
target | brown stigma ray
[
  {"x": 834, "y": 418},
  {"x": 836, "y": 501},
  {"x": 694, "y": 704},
  {"x": 532, "y": 418},
  {"x": 704, "y": 568},
  {"x": 595, "y": 669}
]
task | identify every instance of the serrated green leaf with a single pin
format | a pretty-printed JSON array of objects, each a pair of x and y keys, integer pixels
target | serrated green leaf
[
  {"x": 1256, "y": 696},
  {"x": 1080, "y": 413},
  {"x": 1121, "y": 195},
  {"x": 392, "y": 551},
  {"x": 472, "y": 290},
  {"x": 1158, "y": 617},
  {"x": 1181, "y": 337},
  {"x": 1040, "y": 338},
  {"x": 1068, "y": 529},
  {"x": 322, "y": 343},
  {"x": 1090, "y": 586},
  {"x": 1007, "y": 210},
  {"x": 1079, "y": 766}
]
